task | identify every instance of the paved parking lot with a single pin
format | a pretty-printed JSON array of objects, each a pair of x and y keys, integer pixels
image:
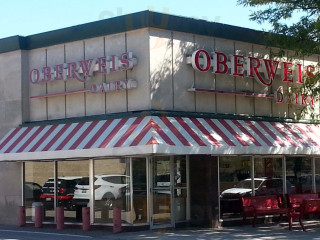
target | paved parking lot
[{"x": 263, "y": 231}]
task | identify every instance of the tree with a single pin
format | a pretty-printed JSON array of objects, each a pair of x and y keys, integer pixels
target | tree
[
  {"x": 295, "y": 26},
  {"x": 295, "y": 22}
]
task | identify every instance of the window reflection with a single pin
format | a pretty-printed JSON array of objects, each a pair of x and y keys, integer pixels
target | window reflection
[
  {"x": 112, "y": 190},
  {"x": 70, "y": 174},
  {"x": 139, "y": 181},
  {"x": 36, "y": 176},
  {"x": 299, "y": 174},
  {"x": 234, "y": 171}
]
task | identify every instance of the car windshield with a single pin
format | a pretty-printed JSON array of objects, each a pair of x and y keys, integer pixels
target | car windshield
[
  {"x": 117, "y": 179},
  {"x": 247, "y": 184}
]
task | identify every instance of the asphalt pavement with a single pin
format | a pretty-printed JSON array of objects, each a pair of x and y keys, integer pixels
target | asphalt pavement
[{"x": 262, "y": 231}]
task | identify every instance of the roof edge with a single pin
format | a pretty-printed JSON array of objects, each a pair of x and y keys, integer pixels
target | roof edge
[
  {"x": 131, "y": 22},
  {"x": 164, "y": 113}
]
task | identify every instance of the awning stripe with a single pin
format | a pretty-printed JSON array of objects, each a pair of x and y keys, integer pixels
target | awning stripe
[
  {"x": 69, "y": 136},
  {"x": 18, "y": 140},
  {"x": 83, "y": 135},
  {"x": 304, "y": 133},
  {"x": 30, "y": 139},
  {"x": 175, "y": 131},
  {"x": 162, "y": 134},
  {"x": 260, "y": 134},
  {"x": 186, "y": 127},
  {"x": 56, "y": 137},
  {"x": 8, "y": 136},
  {"x": 285, "y": 135},
  {"x": 219, "y": 132},
  {"x": 113, "y": 133},
  {"x": 297, "y": 136},
  {"x": 233, "y": 132},
  {"x": 180, "y": 132},
  {"x": 314, "y": 129},
  {"x": 43, "y": 138},
  {"x": 129, "y": 131},
  {"x": 98, "y": 134},
  {"x": 205, "y": 132},
  {"x": 245, "y": 131},
  {"x": 270, "y": 133},
  {"x": 142, "y": 134}
]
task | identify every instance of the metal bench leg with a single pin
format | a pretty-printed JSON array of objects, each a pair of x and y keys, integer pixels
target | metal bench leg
[
  {"x": 290, "y": 221},
  {"x": 254, "y": 221},
  {"x": 300, "y": 220}
]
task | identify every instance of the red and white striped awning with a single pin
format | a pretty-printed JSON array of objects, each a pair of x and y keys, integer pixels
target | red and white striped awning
[{"x": 159, "y": 135}]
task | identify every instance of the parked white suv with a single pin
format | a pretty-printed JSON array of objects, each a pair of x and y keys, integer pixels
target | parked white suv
[{"x": 106, "y": 188}]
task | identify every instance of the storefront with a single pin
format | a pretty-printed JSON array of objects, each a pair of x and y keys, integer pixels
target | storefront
[{"x": 168, "y": 118}]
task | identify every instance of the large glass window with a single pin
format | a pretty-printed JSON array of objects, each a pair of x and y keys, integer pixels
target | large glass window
[
  {"x": 180, "y": 188},
  {"x": 299, "y": 173},
  {"x": 139, "y": 184},
  {"x": 70, "y": 195},
  {"x": 235, "y": 181},
  {"x": 112, "y": 190},
  {"x": 317, "y": 175},
  {"x": 38, "y": 189},
  {"x": 268, "y": 177}
]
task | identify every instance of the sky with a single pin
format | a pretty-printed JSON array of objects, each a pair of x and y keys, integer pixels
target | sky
[{"x": 27, "y": 17}]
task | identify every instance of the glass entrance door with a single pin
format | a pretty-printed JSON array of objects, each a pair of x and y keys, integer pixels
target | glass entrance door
[{"x": 161, "y": 192}]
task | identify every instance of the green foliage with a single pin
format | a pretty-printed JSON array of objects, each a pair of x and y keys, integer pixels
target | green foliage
[
  {"x": 296, "y": 21},
  {"x": 295, "y": 26}
]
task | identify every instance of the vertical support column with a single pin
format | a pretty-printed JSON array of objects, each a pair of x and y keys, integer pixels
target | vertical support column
[
  {"x": 60, "y": 218},
  {"x": 284, "y": 174},
  {"x": 92, "y": 193},
  {"x": 117, "y": 220},
  {"x": 252, "y": 175},
  {"x": 313, "y": 169},
  {"x": 85, "y": 218},
  {"x": 218, "y": 192},
  {"x": 55, "y": 199},
  {"x": 38, "y": 217},
  {"x": 22, "y": 208},
  {"x": 23, "y": 177},
  {"x": 21, "y": 216},
  {"x": 188, "y": 189}
]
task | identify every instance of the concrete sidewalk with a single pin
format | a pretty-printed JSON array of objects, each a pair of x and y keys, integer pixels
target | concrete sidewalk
[{"x": 262, "y": 231}]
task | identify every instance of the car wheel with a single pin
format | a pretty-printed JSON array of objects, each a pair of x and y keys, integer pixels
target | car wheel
[
  {"x": 70, "y": 206},
  {"x": 108, "y": 200}
]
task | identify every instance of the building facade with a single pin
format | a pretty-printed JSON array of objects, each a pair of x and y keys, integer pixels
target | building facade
[{"x": 168, "y": 118}]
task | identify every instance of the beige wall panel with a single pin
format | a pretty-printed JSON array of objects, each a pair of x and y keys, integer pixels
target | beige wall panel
[
  {"x": 311, "y": 60},
  {"x": 10, "y": 90},
  {"x": 295, "y": 110},
  {"x": 280, "y": 109},
  {"x": 226, "y": 104},
  {"x": 95, "y": 102},
  {"x": 10, "y": 79},
  {"x": 244, "y": 105},
  {"x": 56, "y": 105},
  {"x": 138, "y": 43},
  {"x": 38, "y": 107},
  {"x": 183, "y": 74},
  {"x": 161, "y": 88},
  {"x": 25, "y": 86},
  {"x": 116, "y": 101},
  {"x": 75, "y": 103},
  {"x": 262, "y": 107},
  {"x": 11, "y": 191},
  {"x": 205, "y": 102}
]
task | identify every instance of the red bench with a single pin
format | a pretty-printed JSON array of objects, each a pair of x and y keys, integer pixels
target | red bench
[
  {"x": 301, "y": 205},
  {"x": 262, "y": 206}
]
